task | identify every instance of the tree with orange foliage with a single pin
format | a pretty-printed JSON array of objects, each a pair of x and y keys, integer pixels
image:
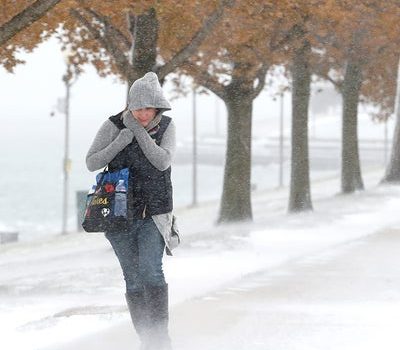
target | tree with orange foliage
[
  {"x": 141, "y": 37},
  {"x": 304, "y": 20},
  {"x": 123, "y": 37},
  {"x": 361, "y": 40},
  {"x": 233, "y": 64},
  {"x": 26, "y": 24}
]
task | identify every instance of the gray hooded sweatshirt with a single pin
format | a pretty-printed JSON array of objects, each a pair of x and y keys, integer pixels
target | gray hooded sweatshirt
[{"x": 109, "y": 141}]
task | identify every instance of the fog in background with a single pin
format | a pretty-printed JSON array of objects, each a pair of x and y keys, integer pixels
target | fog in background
[{"x": 32, "y": 141}]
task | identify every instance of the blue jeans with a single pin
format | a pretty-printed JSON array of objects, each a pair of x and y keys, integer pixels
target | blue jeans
[{"x": 140, "y": 252}]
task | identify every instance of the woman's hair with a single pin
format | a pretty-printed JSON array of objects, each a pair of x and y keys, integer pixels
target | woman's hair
[{"x": 158, "y": 110}]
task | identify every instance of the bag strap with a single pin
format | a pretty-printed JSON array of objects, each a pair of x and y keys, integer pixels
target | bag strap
[{"x": 103, "y": 173}]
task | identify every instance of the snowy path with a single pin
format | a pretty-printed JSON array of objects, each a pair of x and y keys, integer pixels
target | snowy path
[
  {"x": 345, "y": 297},
  {"x": 61, "y": 289}
]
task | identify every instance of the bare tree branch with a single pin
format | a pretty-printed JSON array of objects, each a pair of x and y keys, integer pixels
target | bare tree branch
[
  {"x": 196, "y": 41},
  {"x": 325, "y": 75},
  {"x": 115, "y": 32},
  {"x": 210, "y": 82},
  {"x": 25, "y": 18},
  {"x": 337, "y": 84}
]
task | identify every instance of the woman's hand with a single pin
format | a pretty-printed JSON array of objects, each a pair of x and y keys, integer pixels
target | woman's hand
[{"x": 125, "y": 136}]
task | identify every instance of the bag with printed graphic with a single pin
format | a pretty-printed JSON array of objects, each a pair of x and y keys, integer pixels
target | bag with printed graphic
[{"x": 107, "y": 203}]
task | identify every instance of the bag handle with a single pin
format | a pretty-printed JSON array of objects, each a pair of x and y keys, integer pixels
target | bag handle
[{"x": 103, "y": 173}]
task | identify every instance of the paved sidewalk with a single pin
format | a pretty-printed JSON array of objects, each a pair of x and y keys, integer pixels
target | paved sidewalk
[{"x": 346, "y": 297}]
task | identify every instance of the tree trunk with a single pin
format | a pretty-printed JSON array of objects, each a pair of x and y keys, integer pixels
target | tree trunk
[
  {"x": 393, "y": 169},
  {"x": 300, "y": 196},
  {"x": 144, "y": 31},
  {"x": 351, "y": 170},
  {"x": 236, "y": 194}
]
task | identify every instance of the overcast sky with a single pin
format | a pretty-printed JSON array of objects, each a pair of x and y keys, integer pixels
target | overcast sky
[{"x": 35, "y": 87}]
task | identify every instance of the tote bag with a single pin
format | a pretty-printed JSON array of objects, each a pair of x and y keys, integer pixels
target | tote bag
[{"x": 107, "y": 203}]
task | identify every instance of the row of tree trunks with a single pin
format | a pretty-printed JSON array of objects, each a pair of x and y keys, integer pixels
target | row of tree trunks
[{"x": 238, "y": 97}]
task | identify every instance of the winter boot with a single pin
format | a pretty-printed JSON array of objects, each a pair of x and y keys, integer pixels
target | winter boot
[
  {"x": 157, "y": 303},
  {"x": 140, "y": 318}
]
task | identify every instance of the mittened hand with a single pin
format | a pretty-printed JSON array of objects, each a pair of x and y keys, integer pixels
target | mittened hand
[
  {"x": 130, "y": 122},
  {"x": 125, "y": 136}
]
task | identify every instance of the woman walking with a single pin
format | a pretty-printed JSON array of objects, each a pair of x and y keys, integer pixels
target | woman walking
[{"x": 142, "y": 139}]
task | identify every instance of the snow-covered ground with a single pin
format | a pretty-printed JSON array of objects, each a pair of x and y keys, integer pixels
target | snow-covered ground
[
  {"x": 342, "y": 297},
  {"x": 64, "y": 289}
]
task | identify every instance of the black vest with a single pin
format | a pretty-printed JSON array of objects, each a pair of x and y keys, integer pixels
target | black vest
[{"x": 149, "y": 189}]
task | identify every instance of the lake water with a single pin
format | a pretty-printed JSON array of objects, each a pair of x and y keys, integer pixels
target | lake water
[{"x": 32, "y": 177}]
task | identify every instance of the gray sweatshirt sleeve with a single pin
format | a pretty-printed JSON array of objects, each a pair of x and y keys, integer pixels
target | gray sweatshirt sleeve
[
  {"x": 109, "y": 141},
  {"x": 159, "y": 156}
]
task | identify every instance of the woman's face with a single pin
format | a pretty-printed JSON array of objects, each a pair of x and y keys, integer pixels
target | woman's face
[{"x": 144, "y": 116}]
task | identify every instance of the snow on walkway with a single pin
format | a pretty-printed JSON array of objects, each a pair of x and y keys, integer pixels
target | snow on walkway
[
  {"x": 60, "y": 289},
  {"x": 346, "y": 297}
]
